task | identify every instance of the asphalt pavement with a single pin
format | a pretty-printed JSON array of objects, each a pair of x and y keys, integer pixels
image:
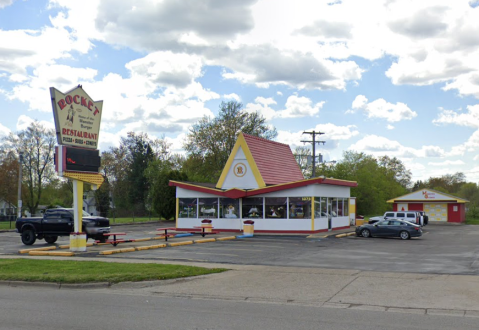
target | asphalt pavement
[{"x": 382, "y": 291}]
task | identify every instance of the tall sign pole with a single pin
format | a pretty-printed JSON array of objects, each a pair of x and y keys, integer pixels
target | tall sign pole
[
  {"x": 77, "y": 123},
  {"x": 313, "y": 134}
]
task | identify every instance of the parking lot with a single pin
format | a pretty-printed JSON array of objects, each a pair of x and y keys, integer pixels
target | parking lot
[{"x": 443, "y": 249}]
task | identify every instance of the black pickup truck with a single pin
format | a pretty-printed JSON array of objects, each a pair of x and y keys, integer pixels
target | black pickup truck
[{"x": 59, "y": 222}]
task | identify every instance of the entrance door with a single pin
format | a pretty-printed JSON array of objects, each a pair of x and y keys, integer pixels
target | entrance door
[
  {"x": 436, "y": 212},
  {"x": 330, "y": 210}
]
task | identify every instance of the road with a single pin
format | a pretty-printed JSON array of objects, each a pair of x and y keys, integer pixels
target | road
[
  {"x": 26, "y": 308},
  {"x": 280, "y": 282}
]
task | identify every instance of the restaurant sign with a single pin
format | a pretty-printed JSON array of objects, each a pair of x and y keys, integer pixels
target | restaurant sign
[{"x": 77, "y": 118}]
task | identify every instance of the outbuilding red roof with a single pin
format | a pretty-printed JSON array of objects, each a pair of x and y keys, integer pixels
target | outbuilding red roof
[{"x": 275, "y": 161}]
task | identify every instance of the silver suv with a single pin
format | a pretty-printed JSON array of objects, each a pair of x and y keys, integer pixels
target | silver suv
[{"x": 411, "y": 216}]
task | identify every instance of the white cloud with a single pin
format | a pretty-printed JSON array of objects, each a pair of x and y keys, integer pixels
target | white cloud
[
  {"x": 232, "y": 96},
  {"x": 297, "y": 107},
  {"x": 24, "y": 122},
  {"x": 384, "y": 110},
  {"x": 262, "y": 106},
  {"x": 379, "y": 146},
  {"x": 447, "y": 163},
  {"x": 5, "y": 3},
  {"x": 469, "y": 119},
  {"x": 4, "y": 131}
]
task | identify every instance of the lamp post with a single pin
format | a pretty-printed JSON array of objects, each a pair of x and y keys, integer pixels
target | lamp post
[{"x": 19, "y": 205}]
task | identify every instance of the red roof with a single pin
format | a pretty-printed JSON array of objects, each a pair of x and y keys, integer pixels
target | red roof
[
  {"x": 275, "y": 161},
  {"x": 241, "y": 193}
]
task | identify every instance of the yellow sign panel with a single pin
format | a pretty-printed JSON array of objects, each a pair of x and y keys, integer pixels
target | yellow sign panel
[
  {"x": 93, "y": 178},
  {"x": 77, "y": 118}
]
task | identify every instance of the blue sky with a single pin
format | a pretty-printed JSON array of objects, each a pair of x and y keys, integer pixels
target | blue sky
[{"x": 398, "y": 78}]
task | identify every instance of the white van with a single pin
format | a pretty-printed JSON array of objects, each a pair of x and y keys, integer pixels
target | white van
[{"x": 411, "y": 216}]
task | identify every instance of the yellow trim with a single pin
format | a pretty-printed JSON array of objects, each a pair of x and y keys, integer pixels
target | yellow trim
[
  {"x": 241, "y": 143},
  {"x": 177, "y": 215},
  {"x": 206, "y": 240},
  {"x": 181, "y": 243},
  {"x": 226, "y": 238}
]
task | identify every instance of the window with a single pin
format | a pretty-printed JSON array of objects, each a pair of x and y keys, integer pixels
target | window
[
  {"x": 390, "y": 214},
  {"x": 252, "y": 207},
  {"x": 275, "y": 207},
  {"x": 401, "y": 215},
  {"x": 208, "y": 207},
  {"x": 410, "y": 215},
  {"x": 334, "y": 207},
  {"x": 346, "y": 207},
  {"x": 229, "y": 208},
  {"x": 299, "y": 207},
  {"x": 340, "y": 207},
  {"x": 187, "y": 208}
]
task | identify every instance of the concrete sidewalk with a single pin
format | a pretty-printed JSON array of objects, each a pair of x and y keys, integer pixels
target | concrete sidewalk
[
  {"x": 349, "y": 289},
  {"x": 456, "y": 295}
]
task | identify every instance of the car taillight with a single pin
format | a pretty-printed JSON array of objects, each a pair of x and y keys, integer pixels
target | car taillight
[
  {"x": 417, "y": 220},
  {"x": 417, "y": 228}
]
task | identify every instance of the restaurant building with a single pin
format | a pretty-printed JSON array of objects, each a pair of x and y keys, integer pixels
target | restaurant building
[
  {"x": 262, "y": 181},
  {"x": 439, "y": 207}
]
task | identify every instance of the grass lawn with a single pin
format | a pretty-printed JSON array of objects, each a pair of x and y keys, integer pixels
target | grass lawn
[
  {"x": 472, "y": 221},
  {"x": 7, "y": 225},
  {"x": 66, "y": 271}
]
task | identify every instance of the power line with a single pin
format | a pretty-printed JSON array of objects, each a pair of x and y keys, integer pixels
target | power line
[{"x": 313, "y": 134}]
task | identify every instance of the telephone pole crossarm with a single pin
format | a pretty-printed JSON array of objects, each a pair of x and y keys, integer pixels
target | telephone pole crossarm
[{"x": 313, "y": 134}]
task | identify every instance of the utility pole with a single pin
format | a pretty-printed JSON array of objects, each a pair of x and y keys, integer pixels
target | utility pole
[
  {"x": 313, "y": 133},
  {"x": 19, "y": 204}
]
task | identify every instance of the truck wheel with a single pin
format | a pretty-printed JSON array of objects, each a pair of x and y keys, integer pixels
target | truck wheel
[
  {"x": 51, "y": 239},
  {"x": 28, "y": 237}
]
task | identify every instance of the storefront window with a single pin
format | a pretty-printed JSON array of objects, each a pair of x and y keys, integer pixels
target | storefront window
[
  {"x": 340, "y": 207},
  {"x": 229, "y": 208},
  {"x": 276, "y": 207},
  {"x": 253, "y": 207},
  {"x": 299, "y": 207},
  {"x": 208, "y": 207},
  {"x": 334, "y": 207},
  {"x": 324, "y": 207},
  {"x": 187, "y": 208},
  {"x": 346, "y": 207}
]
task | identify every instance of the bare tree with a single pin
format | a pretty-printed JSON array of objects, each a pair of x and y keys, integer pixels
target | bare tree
[{"x": 37, "y": 144}]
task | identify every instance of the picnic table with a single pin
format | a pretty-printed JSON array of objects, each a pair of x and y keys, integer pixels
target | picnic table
[
  {"x": 203, "y": 231},
  {"x": 115, "y": 240},
  {"x": 165, "y": 230}
]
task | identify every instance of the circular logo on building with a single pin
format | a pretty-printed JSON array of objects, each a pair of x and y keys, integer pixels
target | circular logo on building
[{"x": 239, "y": 170}]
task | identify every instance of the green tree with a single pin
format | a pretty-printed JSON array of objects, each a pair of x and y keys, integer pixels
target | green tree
[
  {"x": 377, "y": 180},
  {"x": 102, "y": 198},
  {"x": 37, "y": 144},
  {"x": 162, "y": 196},
  {"x": 140, "y": 154},
  {"x": 9, "y": 178},
  {"x": 211, "y": 140}
]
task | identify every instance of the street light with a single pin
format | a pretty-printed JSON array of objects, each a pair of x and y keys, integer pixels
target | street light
[{"x": 19, "y": 205}]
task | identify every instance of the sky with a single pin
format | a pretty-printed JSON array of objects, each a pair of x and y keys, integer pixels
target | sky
[{"x": 383, "y": 77}]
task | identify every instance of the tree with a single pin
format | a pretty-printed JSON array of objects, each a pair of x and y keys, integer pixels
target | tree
[
  {"x": 302, "y": 154},
  {"x": 378, "y": 180},
  {"x": 211, "y": 140},
  {"x": 9, "y": 178},
  {"x": 162, "y": 196},
  {"x": 37, "y": 144},
  {"x": 102, "y": 198},
  {"x": 124, "y": 169}
]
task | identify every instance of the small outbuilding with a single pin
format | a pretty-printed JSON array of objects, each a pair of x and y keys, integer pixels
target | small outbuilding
[
  {"x": 262, "y": 182},
  {"x": 440, "y": 207}
]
